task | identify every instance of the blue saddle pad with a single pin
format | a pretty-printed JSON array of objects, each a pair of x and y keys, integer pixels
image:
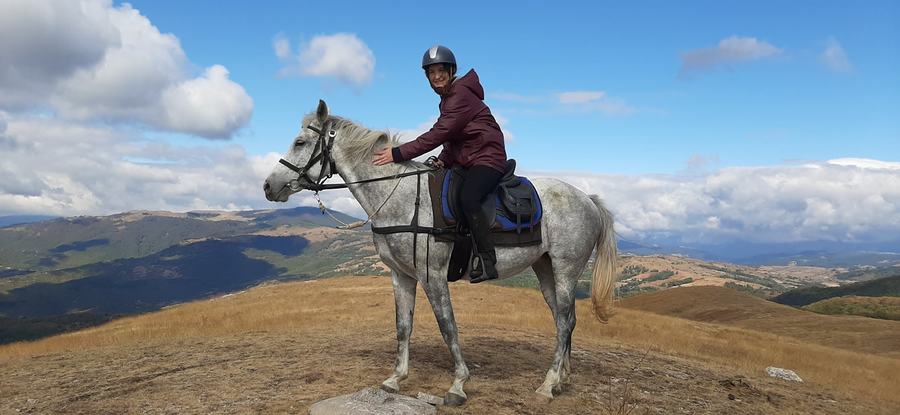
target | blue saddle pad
[{"x": 501, "y": 220}]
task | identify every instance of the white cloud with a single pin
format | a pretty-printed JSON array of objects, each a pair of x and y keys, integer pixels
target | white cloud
[
  {"x": 42, "y": 43},
  {"x": 513, "y": 97},
  {"x": 594, "y": 101},
  {"x": 868, "y": 164},
  {"x": 583, "y": 101},
  {"x": 64, "y": 168},
  {"x": 282, "y": 46},
  {"x": 508, "y": 135},
  {"x": 835, "y": 58},
  {"x": 210, "y": 105},
  {"x": 341, "y": 55},
  {"x": 701, "y": 162},
  {"x": 90, "y": 60},
  {"x": 730, "y": 50},
  {"x": 72, "y": 169},
  {"x": 580, "y": 97},
  {"x": 838, "y": 200}
]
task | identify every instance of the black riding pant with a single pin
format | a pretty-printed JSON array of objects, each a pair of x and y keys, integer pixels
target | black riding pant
[{"x": 478, "y": 183}]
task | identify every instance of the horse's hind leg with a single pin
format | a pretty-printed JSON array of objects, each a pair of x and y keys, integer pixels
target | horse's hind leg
[
  {"x": 405, "y": 301},
  {"x": 543, "y": 268},
  {"x": 439, "y": 296},
  {"x": 565, "y": 274}
]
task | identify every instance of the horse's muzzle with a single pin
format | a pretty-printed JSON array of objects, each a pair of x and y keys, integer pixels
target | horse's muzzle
[{"x": 267, "y": 188}]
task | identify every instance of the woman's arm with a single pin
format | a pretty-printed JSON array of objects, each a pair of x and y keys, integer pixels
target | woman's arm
[{"x": 456, "y": 112}]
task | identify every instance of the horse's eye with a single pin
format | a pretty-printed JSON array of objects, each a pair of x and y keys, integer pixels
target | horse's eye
[{"x": 299, "y": 143}]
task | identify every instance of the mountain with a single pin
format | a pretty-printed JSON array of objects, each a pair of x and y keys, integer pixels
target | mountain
[
  {"x": 75, "y": 241},
  {"x": 805, "y": 253},
  {"x": 11, "y": 220},
  {"x": 882, "y": 287},
  {"x": 70, "y": 273}
]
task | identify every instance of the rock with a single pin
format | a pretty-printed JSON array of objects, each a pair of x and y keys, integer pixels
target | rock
[
  {"x": 371, "y": 401},
  {"x": 777, "y": 372},
  {"x": 738, "y": 382},
  {"x": 679, "y": 375},
  {"x": 434, "y": 400}
]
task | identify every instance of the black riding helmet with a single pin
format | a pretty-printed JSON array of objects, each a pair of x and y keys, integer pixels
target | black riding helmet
[{"x": 439, "y": 54}]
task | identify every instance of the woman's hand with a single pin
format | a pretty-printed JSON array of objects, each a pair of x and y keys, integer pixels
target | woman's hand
[{"x": 383, "y": 156}]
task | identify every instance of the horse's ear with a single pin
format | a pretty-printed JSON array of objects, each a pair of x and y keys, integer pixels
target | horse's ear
[{"x": 322, "y": 112}]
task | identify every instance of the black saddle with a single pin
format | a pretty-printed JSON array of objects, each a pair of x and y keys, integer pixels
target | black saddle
[{"x": 513, "y": 209}]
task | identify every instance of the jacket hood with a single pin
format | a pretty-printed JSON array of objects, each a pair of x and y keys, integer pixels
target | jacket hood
[{"x": 471, "y": 82}]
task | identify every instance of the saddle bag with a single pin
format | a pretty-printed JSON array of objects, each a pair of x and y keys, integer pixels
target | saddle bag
[{"x": 517, "y": 199}]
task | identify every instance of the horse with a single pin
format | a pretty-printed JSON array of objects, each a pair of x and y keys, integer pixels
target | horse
[{"x": 574, "y": 225}]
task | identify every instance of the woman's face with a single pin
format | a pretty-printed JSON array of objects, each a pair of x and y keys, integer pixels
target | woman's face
[{"x": 438, "y": 76}]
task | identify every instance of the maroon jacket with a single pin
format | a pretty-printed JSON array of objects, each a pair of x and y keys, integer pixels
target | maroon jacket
[{"x": 466, "y": 128}]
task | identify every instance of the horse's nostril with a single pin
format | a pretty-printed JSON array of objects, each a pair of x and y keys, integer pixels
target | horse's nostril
[{"x": 266, "y": 186}]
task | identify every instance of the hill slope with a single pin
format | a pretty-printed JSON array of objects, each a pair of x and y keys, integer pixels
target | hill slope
[
  {"x": 75, "y": 241},
  {"x": 725, "y": 306},
  {"x": 85, "y": 270},
  {"x": 887, "y": 308},
  {"x": 882, "y": 287},
  {"x": 279, "y": 348}
]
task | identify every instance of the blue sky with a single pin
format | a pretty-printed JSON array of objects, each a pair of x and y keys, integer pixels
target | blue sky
[
  {"x": 785, "y": 107},
  {"x": 758, "y": 121}
]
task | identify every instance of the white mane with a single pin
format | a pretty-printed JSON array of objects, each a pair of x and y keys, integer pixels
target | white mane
[{"x": 356, "y": 141}]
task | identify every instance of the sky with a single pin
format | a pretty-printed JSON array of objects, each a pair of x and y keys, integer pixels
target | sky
[{"x": 715, "y": 121}]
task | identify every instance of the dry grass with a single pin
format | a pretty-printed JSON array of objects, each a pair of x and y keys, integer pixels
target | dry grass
[{"x": 343, "y": 305}]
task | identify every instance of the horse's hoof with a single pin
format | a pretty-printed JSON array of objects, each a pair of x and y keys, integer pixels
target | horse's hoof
[
  {"x": 543, "y": 397},
  {"x": 389, "y": 389},
  {"x": 453, "y": 399},
  {"x": 558, "y": 389}
]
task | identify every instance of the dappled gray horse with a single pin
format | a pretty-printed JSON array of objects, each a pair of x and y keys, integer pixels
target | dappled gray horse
[{"x": 573, "y": 225}]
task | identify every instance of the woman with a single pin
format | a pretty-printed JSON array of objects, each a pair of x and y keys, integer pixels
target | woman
[{"x": 471, "y": 138}]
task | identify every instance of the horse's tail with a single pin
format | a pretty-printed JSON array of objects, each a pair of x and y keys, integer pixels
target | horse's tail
[{"x": 604, "y": 274}]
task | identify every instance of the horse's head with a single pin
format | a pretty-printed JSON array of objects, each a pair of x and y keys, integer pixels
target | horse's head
[
  {"x": 308, "y": 160},
  {"x": 324, "y": 143}
]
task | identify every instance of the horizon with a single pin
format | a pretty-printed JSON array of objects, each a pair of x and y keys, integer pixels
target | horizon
[{"x": 710, "y": 123}]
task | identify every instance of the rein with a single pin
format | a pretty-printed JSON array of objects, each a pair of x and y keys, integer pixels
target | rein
[
  {"x": 322, "y": 155},
  {"x": 325, "y": 142},
  {"x": 327, "y": 161}
]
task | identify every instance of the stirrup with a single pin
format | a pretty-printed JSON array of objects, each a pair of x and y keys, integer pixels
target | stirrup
[{"x": 480, "y": 272}]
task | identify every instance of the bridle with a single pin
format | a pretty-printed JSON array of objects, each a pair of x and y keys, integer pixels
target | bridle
[
  {"x": 322, "y": 154},
  {"x": 324, "y": 142}
]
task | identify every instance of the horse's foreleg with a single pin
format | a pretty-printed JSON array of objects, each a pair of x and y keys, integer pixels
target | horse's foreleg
[
  {"x": 405, "y": 301},
  {"x": 439, "y": 296}
]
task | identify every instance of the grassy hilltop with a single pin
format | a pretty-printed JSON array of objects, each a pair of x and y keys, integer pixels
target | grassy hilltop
[{"x": 281, "y": 347}]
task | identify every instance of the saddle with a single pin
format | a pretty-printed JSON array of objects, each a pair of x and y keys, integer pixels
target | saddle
[{"x": 513, "y": 209}]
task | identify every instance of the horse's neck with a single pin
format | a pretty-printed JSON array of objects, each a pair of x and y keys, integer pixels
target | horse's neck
[{"x": 397, "y": 198}]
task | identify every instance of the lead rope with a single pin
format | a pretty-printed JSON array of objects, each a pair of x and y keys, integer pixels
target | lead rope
[{"x": 359, "y": 223}]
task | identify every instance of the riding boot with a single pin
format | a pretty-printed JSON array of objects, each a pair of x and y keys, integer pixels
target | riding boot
[{"x": 485, "y": 260}]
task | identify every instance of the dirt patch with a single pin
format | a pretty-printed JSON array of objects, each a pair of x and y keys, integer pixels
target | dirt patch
[
  {"x": 313, "y": 234},
  {"x": 706, "y": 273}
]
